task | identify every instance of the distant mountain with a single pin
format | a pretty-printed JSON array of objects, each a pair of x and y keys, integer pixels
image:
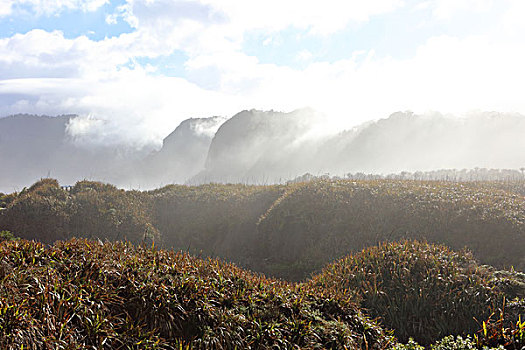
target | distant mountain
[
  {"x": 183, "y": 153},
  {"x": 266, "y": 147},
  {"x": 258, "y": 146},
  {"x": 410, "y": 142},
  {"x": 33, "y": 147},
  {"x": 29, "y": 145}
]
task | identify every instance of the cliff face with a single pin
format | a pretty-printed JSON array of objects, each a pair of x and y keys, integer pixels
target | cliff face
[
  {"x": 189, "y": 142},
  {"x": 257, "y": 146},
  {"x": 33, "y": 147},
  {"x": 266, "y": 147},
  {"x": 183, "y": 152}
]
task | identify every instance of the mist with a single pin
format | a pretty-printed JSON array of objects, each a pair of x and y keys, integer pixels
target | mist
[{"x": 254, "y": 147}]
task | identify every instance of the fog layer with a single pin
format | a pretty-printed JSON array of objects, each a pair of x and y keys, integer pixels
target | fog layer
[{"x": 256, "y": 147}]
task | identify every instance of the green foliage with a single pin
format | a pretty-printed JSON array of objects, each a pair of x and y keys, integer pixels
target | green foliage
[
  {"x": 85, "y": 294},
  {"x": 87, "y": 186},
  {"x": 287, "y": 231},
  {"x": 43, "y": 186},
  {"x": 38, "y": 212},
  {"x": 6, "y": 199},
  {"x": 419, "y": 290},
  {"x": 7, "y": 236},
  {"x": 117, "y": 295},
  {"x": 103, "y": 211},
  {"x": 213, "y": 220},
  {"x": 499, "y": 333},
  {"x": 89, "y": 294},
  {"x": 48, "y": 213},
  {"x": 455, "y": 343},
  {"x": 410, "y": 345},
  {"x": 317, "y": 222}
]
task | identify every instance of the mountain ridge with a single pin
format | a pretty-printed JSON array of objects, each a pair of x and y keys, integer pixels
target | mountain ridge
[{"x": 262, "y": 147}]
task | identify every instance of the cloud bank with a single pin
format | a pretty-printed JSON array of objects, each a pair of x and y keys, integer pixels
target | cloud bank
[{"x": 119, "y": 79}]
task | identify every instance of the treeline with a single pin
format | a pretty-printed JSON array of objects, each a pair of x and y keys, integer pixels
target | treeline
[
  {"x": 288, "y": 231},
  {"x": 453, "y": 175}
]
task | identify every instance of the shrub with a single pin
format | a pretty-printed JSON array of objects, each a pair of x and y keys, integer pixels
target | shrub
[
  {"x": 102, "y": 211},
  {"x": 410, "y": 345},
  {"x": 417, "y": 289},
  {"x": 213, "y": 220},
  {"x": 7, "y": 236},
  {"x": 48, "y": 213},
  {"x": 85, "y": 294},
  {"x": 497, "y": 332},
  {"x": 314, "y": 223},
  {"x": 287, "y": 231},
  {"x": 455, "y": 343},
  {"x": 40, "y": 212}
]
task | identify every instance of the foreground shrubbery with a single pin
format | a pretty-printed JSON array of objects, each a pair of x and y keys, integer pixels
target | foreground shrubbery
[
  {"x": 421, "y": 291},
  {"x": 88, "y": 294},
  {"x": 115, "y": 295},
  {"x": 85, "y": 294}
]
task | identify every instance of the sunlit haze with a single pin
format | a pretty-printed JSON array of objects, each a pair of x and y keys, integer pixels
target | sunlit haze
[
  {"x": 262, "y": 174},
  {"x": 143, "y": 66}
]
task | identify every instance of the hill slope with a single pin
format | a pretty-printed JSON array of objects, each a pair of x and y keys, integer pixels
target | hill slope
[{"x": 287, "y": 231}]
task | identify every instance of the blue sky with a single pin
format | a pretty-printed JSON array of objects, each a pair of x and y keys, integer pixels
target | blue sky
[
  {"x": 72, "y": 22},
  {"x": 145, "y": 65}
]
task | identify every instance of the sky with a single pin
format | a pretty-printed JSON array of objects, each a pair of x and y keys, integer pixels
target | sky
[{"x": 143, "y": 66}]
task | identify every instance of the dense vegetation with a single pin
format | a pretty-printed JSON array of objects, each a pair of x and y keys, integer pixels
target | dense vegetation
[
  {"x": 47, "y": 212},
  {"x": 288, "y": 231},
  {"x": 93, "y": 295},
  {"x": 318, "y": 221},
  {"x": 419, "y": 290}
]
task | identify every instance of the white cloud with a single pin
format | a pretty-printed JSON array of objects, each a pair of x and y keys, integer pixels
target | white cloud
[
  {"x": 447, "y": 74},
  {"x": 54, "y": 7},
  {"x": 320, "y": 18},
  {"x": 44, "y": 72},
  {"x": 446, "y": 9},
  {"x": 304, "y": 55},
  {"x": 273, "y": 15},
  {"x": 201, "y": 27},
  {"x": 139, "y": 109},
  {"x": 5, "y": 7},
  {"x": 41, "y": 54},
  {"x": 111, "y": 19},
  {"x": 512, "y": 23}
]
